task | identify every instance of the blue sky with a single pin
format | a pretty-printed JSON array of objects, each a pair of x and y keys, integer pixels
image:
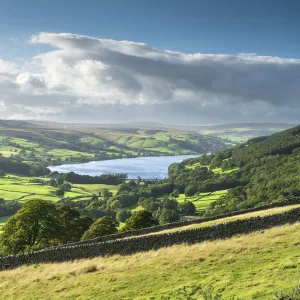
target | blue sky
[
  {"x": 173, "y": 61},
  {"x": 264, "y": 27}
]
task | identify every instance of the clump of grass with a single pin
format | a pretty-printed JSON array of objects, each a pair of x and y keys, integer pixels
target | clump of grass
[
  {"x": 88, "y": 269},
  {"x": 294, "y": 294}
]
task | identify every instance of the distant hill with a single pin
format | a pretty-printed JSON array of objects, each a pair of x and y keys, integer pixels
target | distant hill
[
  {"x": 232, "y": 133},
  {"x": 56, "y": 143}
]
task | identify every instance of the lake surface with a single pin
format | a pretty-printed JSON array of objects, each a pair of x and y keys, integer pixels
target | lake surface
[{"x": 145, "y": 167}]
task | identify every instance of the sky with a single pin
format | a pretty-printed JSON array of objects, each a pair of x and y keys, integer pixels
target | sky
[{"x": 176, "y": 62}]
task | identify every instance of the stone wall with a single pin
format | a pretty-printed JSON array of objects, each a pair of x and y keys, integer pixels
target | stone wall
[
  {"x": 112, "y": 237},
  {"x": 150, "y": 242}
]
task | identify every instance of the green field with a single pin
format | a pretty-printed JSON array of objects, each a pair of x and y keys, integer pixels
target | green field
[
  {"x": 58, "y": 143},
  {"x": 216, "y": 170},
  {"x": 244, "y": 266},
  {"x": 20, "y": 188},
  {"x": 203, "y": 200},
  {"x": 96, "y": 188}
]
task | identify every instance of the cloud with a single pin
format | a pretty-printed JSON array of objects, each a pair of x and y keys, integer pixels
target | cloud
[{"x": 84, "y": 79}]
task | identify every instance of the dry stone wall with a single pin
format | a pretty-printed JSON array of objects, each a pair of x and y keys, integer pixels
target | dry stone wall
[
  {"x": 150, "y": 242},
  {"x": 112, "y": 237}
]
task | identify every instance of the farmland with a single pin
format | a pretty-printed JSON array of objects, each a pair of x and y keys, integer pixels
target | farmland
[
  {"x": 54, "y": 143},
  {"x": 202, "y": 200}
]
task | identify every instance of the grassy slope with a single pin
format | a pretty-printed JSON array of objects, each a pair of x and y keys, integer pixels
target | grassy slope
[
  {"x": 244, "y": 266},
  {"x": 61, "y": 141},
  {"x": 203, "y": 200},
  {"x": 240, "y": 133},
  {"x": 262, "y": 213},
  {"x": 19, "y": 188}
]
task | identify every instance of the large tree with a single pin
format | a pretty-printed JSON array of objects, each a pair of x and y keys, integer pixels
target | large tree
[
  {"x": 103, "y": 226},
  {"x": 168, "y": 216},
  {"x": 32, "y": 227},
  {"x": 73, "y": 225},
  {"x": 187, "y": 208},
  {"x": 140, "y": 219}
]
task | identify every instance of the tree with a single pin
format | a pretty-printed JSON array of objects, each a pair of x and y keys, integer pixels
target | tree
[
  {"x": 52, "y": 182},
  {"x": 2, "y": 173},
  {"x": 103, "y": 226},
  {"x": 139, "y": 180},
  {"x": 191, "y": 190},
  {"x": 123, "y": 215},
  {"x": 32, "y": 227},
  {"x": 115, "y": 205},
  {"x": 73, "y": 225},
  {"x": 175, "y": 194},
  {"x": 66, "y": 187},
  {"x": 169, "y": 204},
  {"x": 187, "y": 208},
  {"x": 105, "y": 193},
  {"x": 140, "y": 219},
  {"x": 168, "y": 216},
  {"x": 60, "y": 180},
  {"x": 60, "y": 193},
  {"x": 225, "y": 165}
]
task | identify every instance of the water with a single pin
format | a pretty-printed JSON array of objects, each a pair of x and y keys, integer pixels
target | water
[{"x": 145, "y": 167}]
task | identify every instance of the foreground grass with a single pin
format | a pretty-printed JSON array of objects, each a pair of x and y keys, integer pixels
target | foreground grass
[{"x": 249, "y": 266}]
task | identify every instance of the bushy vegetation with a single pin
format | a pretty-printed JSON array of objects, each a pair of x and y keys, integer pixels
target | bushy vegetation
[
  {"x": 113, "y": 179},
  {"x": 39, "y": 224},
  {"x": 265, "y": 169}
]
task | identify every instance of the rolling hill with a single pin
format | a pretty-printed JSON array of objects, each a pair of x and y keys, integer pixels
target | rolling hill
[{"x": 55, "y": 143}]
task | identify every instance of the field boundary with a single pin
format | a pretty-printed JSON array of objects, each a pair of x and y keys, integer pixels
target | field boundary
[
  {"x": 150, "y": 242},
  {"x": 138, "y": 232}
]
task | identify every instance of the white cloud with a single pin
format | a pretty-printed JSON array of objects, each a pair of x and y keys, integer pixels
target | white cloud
[{"x": 83, "y": 76}]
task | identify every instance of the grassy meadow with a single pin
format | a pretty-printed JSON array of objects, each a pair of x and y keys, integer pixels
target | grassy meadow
[
  {"x": 244, "y": 266},
  {"x": 13, "y": 187},
  {"x": 262, "y": 213},
  {"x": 58, "y": 143},
  {"x": 202, "y": 200}
]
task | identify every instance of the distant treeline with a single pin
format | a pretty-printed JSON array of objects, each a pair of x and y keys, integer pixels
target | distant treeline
[
  {"x": 113, "y": 179},
  {"x": 11, "y": 165},
  {"x": 8, "y": 208}
]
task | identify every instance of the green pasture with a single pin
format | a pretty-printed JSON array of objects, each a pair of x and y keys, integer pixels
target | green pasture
[
  {"x": 20, "y": 188},
  {"x": 96, "y": 188},
  {"x": 203, "y": 200},
  {"x": 66, "y": 153}
]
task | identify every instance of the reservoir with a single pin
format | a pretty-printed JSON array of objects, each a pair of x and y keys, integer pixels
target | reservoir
[{"x": 146, "y": 167}]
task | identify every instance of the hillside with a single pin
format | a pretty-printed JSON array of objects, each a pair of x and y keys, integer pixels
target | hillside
[
  {"x": 262, "y": 170},
  {"x": 244, "y": 266},
  {"x": 55, "y": 143},
  {"x": 233, "y": 133}
]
